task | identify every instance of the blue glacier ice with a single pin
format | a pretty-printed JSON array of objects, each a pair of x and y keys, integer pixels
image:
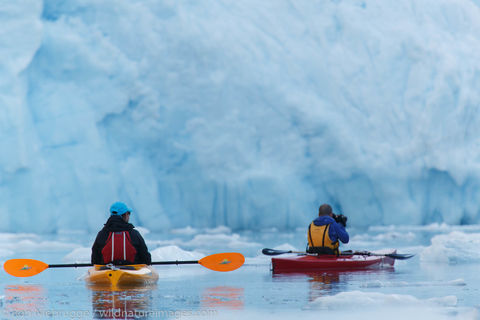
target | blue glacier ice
[{"x": 247, "y": 114}]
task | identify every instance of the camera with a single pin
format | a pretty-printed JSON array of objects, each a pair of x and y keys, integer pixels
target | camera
[{"x": 341, "y": 219}]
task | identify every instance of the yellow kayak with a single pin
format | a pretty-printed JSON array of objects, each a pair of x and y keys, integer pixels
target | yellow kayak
[{"x": 122, "y": 276}]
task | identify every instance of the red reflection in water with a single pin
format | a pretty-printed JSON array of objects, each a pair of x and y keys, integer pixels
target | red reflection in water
[
  {"x": 323, "y": 283},
  {"x": 223, "y": 297},
  {"x": 24, "y": 300}
]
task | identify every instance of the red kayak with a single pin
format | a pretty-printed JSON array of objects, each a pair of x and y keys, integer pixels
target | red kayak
[{"x": 302, "y": 263}]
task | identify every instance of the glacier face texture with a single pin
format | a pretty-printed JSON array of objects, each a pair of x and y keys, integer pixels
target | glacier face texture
[{"x": 246, "y": 114}]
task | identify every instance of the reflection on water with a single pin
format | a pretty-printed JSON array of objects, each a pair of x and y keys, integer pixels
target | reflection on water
[
  {"x": 128, "y": 303},
  {"x": 323, "y": 283},
  {"x": 23, "y": 301},
  {"x": 223, "y": 297}
]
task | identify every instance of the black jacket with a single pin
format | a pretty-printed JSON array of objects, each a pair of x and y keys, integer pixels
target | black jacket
[{"x": 115, "y": 224}]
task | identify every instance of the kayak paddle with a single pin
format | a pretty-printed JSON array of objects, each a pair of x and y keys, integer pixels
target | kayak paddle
[
  {"x": 399, "y": 256},
  {"x": 218, "y": 262}
]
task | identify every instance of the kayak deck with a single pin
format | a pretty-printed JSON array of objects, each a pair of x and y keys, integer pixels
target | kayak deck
[
  {"x": 310, "y": 262},
  {"x": 119, "y": 276}
]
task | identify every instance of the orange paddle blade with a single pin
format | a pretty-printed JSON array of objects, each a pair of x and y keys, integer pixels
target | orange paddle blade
[
  {"x": 228, "y": 261},
  {"x": 24, "y": 267}
]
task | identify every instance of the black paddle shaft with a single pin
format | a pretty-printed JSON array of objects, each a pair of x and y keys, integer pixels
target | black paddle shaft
[
  {"x": 273, "y": 252},
  {"x": 71, "y": 265},
  {"x": 175, "y": 262},
  {"x": 75, "y": 265}
]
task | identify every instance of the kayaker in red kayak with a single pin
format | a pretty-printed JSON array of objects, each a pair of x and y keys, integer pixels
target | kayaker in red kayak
[
  {"x": 118, "y": 242},
  {"x": 325, "y": 232}
]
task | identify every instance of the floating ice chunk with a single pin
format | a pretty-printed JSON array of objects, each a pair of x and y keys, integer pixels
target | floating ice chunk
[
  {"x": 190, "y": 231},
  {"x": 79, "y": 255},
  {"x": 172, "y": 252},
  {"x": 6, "y": 253},
  {"x": 457, "y": 282},
  {"x": 429, "y": 227},
  {"x": 229, "y": 241},
  {"x": 424, "y": 313},
  {"x": 219, "y": 229},
  {"x": 380, "y": 284},
  {"x": 71, "y": 231},
  {"x": 454, "y": 247},
  {"x": 184, "y": 231},
  {"x": 143, "y": 231},
  {"x": 9, "y": 242},
  {"x": 286, "y": 246},
  {"x": 151, "y": 244},
  {"x": 373, "y": 284},
  {"x": 5, "y": 237},
  {"x": 357, "y": 300},
  {"x": 32, "y": 245},
  {"x": 260, "y": 260},
  {"x": 169, "y": 253},
  {"x": 381, "y": 238},
  {"x": 433, "y": 227}
]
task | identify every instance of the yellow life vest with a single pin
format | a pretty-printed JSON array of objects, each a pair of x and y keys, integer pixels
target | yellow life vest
[{"x": 318, "y": 238}]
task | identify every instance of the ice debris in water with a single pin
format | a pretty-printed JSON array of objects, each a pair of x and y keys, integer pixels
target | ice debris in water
[
  {"x": 358, "y": 299},
  {"x": 455, "y": 247},
  {"x": 175, "y": 253},
  {"x": 380, "y": 284},
  {"x": 79, "y": 255}
]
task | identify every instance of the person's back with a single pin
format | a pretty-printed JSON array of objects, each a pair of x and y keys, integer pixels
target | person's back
[
  {"x": 118, "y": 242},
  {"x": 325, "y": 232}
]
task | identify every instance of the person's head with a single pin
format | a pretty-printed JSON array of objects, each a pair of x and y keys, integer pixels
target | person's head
[
  {"x": 325, "y": 210},
  {"x": 120, "y": 209}
]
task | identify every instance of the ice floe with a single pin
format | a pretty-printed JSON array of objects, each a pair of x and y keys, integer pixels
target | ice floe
[{"x": 454, "y": 247}]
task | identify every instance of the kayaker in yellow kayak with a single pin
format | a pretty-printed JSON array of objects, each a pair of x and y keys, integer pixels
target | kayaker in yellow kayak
[
  {"x": 118, "y": 242},
  {"x": 325, "y": 232}
]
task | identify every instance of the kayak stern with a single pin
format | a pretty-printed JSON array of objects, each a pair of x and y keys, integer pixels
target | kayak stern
[{"x": 115, "y": 276}]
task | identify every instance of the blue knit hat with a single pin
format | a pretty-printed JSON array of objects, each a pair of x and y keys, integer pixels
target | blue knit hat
[{"x": 119, "y": 208}]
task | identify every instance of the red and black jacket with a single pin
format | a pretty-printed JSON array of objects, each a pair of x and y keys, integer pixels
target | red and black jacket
[{"x": 119, "y": 243}]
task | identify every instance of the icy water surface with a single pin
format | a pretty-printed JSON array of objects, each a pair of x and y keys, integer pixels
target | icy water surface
[{"x": 441, "y": 282}]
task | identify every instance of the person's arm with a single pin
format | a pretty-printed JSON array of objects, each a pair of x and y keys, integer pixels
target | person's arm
[
  {"x": 97, "y": 257},
  {"x": 143, "y": 256},
  {"x": 340, "y": 232}
]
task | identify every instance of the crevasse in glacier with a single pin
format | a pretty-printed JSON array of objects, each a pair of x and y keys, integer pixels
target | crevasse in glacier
[{"x": 246, "y": 114}]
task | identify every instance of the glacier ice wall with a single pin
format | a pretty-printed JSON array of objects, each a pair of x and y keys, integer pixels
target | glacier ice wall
[{"x": 247, "y": 114}]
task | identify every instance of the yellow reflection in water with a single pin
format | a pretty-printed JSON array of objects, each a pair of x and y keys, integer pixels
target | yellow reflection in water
[{"x": 121, "y": 303}]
